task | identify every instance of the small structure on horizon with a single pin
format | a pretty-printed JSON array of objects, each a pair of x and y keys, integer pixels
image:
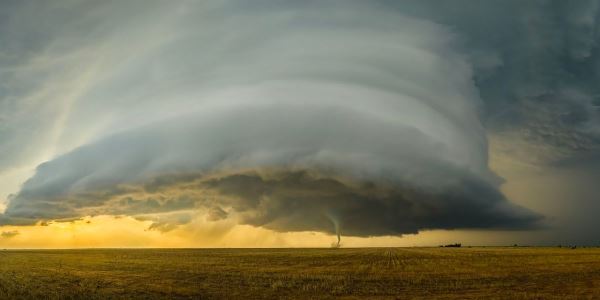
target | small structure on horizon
[{"x": 457, "y": 245}]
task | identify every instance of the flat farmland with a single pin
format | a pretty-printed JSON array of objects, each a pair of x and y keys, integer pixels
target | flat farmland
[{"x": 347, "y": 273}]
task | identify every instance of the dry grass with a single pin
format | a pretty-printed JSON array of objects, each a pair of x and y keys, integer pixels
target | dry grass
[{"x": 376, "y": 273}]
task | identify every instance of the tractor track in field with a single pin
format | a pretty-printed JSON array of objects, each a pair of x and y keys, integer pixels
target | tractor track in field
[{"x": 393, "y": 259}]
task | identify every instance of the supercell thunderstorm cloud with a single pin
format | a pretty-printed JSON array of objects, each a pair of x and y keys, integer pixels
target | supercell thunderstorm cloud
[{"x": 360, "y": 118}]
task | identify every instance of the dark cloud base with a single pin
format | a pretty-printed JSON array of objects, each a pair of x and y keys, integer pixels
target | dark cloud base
[
  {"x": 300, "y": 201},
  {"x": 294, "y": 200}
]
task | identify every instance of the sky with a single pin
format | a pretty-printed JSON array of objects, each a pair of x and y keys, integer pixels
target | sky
[{"x": 230, "y": 123}]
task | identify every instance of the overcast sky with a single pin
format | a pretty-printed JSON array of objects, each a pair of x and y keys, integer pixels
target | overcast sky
[{"x": 263, "y": 123}]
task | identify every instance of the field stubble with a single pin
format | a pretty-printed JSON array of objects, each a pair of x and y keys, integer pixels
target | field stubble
[{"x": 380, "y": 273}]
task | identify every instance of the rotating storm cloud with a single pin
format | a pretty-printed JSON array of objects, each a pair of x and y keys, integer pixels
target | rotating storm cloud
[{"x": 344, "y": 118}]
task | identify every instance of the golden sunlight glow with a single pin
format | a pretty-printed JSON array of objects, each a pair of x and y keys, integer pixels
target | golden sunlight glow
[{"x": 111, "y": 232}]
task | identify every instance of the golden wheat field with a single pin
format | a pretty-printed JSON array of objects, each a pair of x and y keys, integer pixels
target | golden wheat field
[{"x": 374, "y": 273}]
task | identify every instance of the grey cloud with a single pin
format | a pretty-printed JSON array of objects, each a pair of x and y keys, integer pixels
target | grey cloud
[
  {"x": 216, "y": 213},
  {"x": 536, "y": 66},
  {"x": 340, "y": 89},
  {"x": 9, "y": 234},
  {"x": 297, "y": 201},
  {"x": 166, "y": 222}
]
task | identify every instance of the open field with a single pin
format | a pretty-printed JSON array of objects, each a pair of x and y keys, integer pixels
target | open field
[{"x": 383, "y": 273}]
